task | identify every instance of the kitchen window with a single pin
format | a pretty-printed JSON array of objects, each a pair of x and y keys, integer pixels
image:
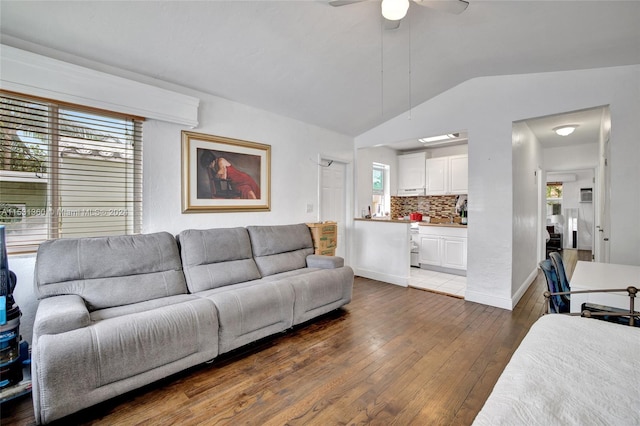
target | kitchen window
[
  {"x": 381, "y": 201},
  {"x": 378, "y": 179},
  {"x": 67, "y": 171},
  {"x": 554, "y": 198}
]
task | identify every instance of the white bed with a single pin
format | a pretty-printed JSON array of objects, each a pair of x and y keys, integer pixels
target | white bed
[{"x": 569, "y": 371}]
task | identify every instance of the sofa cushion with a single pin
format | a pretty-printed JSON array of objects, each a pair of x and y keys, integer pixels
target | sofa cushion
[
  {"x": 148, "y": 305},
  {"x": 247, "y": 313},
  {"x": 216, "y": 257},
  {"x": 110, "y": 271},
  {"x": 280, "y": 248},
  {"x": 320, "y": 291}
]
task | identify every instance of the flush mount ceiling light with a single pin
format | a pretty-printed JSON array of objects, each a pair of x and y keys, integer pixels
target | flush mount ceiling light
[
  {"x": 565, "y": 130},
  {"x": 439, "y": 138},
  {"x": 394, "y": 10}
]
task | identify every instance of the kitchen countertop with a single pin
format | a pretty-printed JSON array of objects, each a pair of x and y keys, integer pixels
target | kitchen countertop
[
  {"x": 388, "y": 220},
  {"x": 383, "y": 219},
  {"x": 447, "y": 225}
]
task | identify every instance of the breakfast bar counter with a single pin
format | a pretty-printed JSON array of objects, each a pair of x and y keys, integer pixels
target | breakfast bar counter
[{"x": 381, "y": 250}]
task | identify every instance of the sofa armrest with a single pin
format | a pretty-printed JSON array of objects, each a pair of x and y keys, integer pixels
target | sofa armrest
[
  {"x": 324, "y": 262},
  {"x": 59, "y": 314}
]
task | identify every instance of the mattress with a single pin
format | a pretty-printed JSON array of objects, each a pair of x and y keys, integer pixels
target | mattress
[{"x": 569, "y": 371}]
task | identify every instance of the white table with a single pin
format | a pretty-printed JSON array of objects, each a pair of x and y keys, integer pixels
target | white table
[{"x": 595, "y": 275}]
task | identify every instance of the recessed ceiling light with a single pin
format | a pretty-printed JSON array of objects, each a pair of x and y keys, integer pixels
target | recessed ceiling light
[{"x": 565, "y": 130}]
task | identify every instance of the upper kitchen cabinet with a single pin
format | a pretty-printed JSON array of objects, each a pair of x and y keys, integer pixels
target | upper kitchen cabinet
[
  {"x": 437, "y": 170},
  {"x": 447, "y": 175},
  {"x": 411, "y": 174},
  {"x": 459, "y": 174}
]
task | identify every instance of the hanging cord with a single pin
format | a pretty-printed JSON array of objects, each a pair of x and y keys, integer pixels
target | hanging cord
[
  {"x": 410, "y": 100},
  {"x": 382, "y": 68}
]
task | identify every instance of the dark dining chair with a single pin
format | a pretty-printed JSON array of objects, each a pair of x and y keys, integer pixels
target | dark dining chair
[
  {"x": 557, "y": 304},
  {"x": 563, "y": 281}
]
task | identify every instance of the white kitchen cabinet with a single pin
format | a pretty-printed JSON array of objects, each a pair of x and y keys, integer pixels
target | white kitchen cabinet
[
  {"x": 447, "y": 175},
  {"x": 443, "y": 246},
  {"x": 454, "y": 252},
  {"x": 430, "y": 252},
  {"x": 411, "y": 171},
  {"x": 437, "y": 170},
  {"x": 459, "y": 174}
]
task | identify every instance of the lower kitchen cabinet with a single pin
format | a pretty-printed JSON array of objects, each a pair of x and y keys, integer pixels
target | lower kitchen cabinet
[
  {"x": 454, "y": 252},
  {"x": 444, "y": 247},
  {"x": 430, "y": 249}
]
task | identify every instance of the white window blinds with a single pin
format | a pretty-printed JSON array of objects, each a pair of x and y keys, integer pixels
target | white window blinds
[{"x": 67, "y": 172}]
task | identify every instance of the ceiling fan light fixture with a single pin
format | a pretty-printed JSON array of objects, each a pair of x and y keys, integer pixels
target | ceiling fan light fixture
[
  {"x": 565, "y": 130},
  {"x": 394, "y": 10}
]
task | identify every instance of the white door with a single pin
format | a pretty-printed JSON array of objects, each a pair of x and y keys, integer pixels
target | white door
[
  {"x": 603, "y": 192},
  {"x": 333, "y": 199}
]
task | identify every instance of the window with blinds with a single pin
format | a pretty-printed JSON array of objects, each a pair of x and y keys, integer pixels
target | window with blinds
[{"x": 67, "y": 171}]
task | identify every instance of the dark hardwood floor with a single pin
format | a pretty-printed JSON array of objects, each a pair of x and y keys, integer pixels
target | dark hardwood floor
[{"x": 394, "y": 355}]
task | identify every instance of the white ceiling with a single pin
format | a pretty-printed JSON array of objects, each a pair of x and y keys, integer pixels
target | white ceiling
[
  {"x": 588, "y": 123},
  {"x": 334, "y": 67}
]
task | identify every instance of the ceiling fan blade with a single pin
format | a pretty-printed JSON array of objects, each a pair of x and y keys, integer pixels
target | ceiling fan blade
[
  {"x": 337, "y": 3},
  {"x": 450, "y": 6}
]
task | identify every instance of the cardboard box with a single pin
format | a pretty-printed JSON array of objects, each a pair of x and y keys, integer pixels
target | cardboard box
[{"x": 325, "y": 237}]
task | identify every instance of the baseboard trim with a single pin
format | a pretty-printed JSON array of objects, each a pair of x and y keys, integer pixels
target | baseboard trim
[
  {"x": 487, "y": 299},
  {"x": 391, "y": 279},
  {"x": 523, "y": 288}
]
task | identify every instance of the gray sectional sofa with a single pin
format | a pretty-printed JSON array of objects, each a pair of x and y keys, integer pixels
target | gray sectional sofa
[{"x": 117, "y": 313}]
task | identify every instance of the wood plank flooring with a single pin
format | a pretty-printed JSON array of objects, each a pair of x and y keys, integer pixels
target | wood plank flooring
[{"x": 393, "y": 356}]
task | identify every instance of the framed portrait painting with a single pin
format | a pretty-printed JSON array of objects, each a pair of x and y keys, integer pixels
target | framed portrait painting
[{"x": 223, "y": 174}]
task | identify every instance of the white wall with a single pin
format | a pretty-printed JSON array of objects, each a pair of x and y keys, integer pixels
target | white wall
[
  {"x": 446, "y": 151},
  {"x": 487, "y": 107},
  {"x": 295, "y": 151},
  {"x": 566, "y": 158},
  {"x": 527, "y": 159}
]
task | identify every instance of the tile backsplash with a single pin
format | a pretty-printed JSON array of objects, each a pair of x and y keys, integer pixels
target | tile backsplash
[{"x": 434, "y": 206}]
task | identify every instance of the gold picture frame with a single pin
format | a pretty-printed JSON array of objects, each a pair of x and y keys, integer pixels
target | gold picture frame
[{"x": 224, "y": 175}]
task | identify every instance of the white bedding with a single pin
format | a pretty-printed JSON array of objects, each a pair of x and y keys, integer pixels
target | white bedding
[{"x": 569, "y": 371}]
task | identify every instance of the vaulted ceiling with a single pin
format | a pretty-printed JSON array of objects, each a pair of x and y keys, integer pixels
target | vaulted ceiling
[{"x": 335, "y": 67}]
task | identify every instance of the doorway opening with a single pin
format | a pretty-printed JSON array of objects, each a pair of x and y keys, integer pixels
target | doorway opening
[{"x": 574, "y": 173}]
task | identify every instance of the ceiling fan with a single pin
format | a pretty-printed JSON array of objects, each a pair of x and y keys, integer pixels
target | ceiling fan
[{"x": 395, "y": 10}]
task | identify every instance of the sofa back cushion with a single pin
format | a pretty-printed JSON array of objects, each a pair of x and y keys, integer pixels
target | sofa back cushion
[
  {"x": 216, "y": 257},
  {"x": 110, "y": 271},
  {"x": 280, "y": 248}
]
